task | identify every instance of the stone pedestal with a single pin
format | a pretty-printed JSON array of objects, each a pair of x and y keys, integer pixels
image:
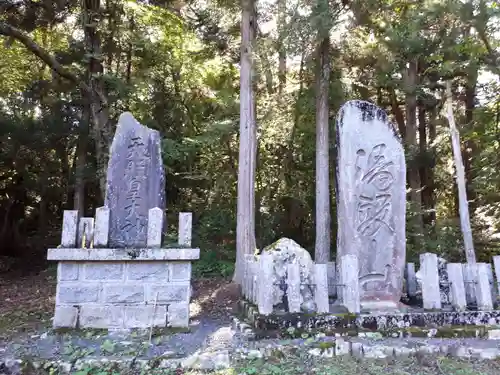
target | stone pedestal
[{"x": 121, "y": 288}]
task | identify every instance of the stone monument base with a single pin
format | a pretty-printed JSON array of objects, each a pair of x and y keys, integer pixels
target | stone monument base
[
  {"x": 122, "y": 288},
  {"x": 413, "y": 323}
]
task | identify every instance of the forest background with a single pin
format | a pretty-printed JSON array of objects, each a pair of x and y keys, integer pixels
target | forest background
[{"x": 69, "y": 68}]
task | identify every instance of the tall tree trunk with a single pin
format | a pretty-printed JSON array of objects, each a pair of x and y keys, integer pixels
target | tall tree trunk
[
  {"x": 245, "y": 218},
  {"x": 322, "y": 245},
  {"x": 469, "y": 149},
  {"x": 281, "y": 47},
  {"x": 411, "y": 82},
  {"x": 460, "y": 177},
  {"x": 100, "y": 114}
]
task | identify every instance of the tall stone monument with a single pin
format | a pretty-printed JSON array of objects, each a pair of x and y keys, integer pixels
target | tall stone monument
[
  {"x": 371, "y": 202},
  {"x": 135, "y": 182}
]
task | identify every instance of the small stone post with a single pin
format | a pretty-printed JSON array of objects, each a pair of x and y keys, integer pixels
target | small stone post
[
  {"x": 457, "y": 287},
  {"x": 265, "y": 297},
  {"x": 101, "y": 227},
  {"x": 349, "y": 288},
  {"x": 69, "y": 229},
  {"x": 255, "y": 284},
  {"x": 411, "y": 280},
  {"x": 496, "y": 265},
  {"x": 185, "y": 228},
  {"x": 321, "y": 290},
  {"x": 85, "y": 231},
  {"x": 293, "y": 287},
  {"x": 155, "y": 227},
  {"x": 470, "y": 281},
  {"x": 430, "y": 281},
  {"x": 483, "y": 289},
  {"x": 332, "y": 287},
  {"x": 247, "y": 276},
  {"x": 492, "y": 283}
]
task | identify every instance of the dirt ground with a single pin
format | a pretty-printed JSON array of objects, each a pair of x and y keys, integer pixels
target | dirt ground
[{"x": 27, "y": 301}]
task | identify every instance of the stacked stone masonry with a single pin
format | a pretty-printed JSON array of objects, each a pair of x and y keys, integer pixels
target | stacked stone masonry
[
  {"x": 123, "y": 294},
  {"x": 121, "y": 288}
]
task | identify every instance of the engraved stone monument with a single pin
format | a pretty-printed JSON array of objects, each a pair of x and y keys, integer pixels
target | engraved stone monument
[
  {"x": 135, "y": 182},
  {"x": 371, "y": 202},
  {"x": 112, "y": 271}
]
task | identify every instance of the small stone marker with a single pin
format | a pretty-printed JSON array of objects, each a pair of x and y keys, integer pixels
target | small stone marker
[
  {"x": 411, "y": 280},
  {"x": 293, "y": 287},
  {"x": 483, "y": 289},
  {"x": 430, "y": 281},
  {"x": 470, "y": 281},
  {"x": 492, "y": 282},
  {"x": 101, "y": 227},
  {"x": 496, "y": 265},
  {"x": 321, "y": 290},
  {"x": 457, "y": 287},
  {"x": 185, "y": 228},
  {"x": 332, "y": 271},
  {"x": 85, "y": 232},
  {"x": 265, "y": 297},
  {"x": 371, "y": 201},
  {"x": 135, "y": 182},
  {"x": 255, "y": 286},
  {"x": 349, "y": 288},
  {"x": 155, "y": 227},
  {"x": 69, "y": 229}
]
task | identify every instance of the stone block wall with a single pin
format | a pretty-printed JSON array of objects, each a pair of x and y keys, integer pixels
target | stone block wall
[
  {"x": 121, "y": 288},
  {"x": 121, "y": 294}
]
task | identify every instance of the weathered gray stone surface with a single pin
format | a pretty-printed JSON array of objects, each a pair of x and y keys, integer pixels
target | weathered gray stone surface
[
  {"x": 281, "y": 253},
  {"x": 180, "y": 271},
  {"x": 70, "y": 228},
  {"x": 79, "y": 254},
  {"x": 321, "y": 290},
  {"x": 332, "y": 279},
  {"x": 349, "y": 285},
  {"x": 104, "y": 271},
  {"x": 457, "y": 286},
  {"x": 470, "y": 281},
  {"x": 155, "y": 227},
  {"x": 496, "y": 266},
  {"x": 148, "y": 271},
  {"x": 101, "y": 227},
  {"x": 178, "y": 314},
  {"x": 67, "y": 271},
  {"x": 483, "y": 288},
  {"x": 293, "y": 287},
  {"x": 267, "y": 288},
  {"x": 135, "y": 182},
  {"x": 430, "y": 281},
  {"x": 185, "y": 228},
  {"x": 411, "y": 280},
  {"x": 371, "y": 201}
]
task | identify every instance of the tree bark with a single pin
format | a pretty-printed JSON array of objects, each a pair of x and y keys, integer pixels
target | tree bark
[
  {"x": 245, "y": 218},
  {"x": 322, "y": 245},
  {"x": 281, "y": 48},
  {"x": 460, "y": 177},
  {"x": 411, "y": 143}
]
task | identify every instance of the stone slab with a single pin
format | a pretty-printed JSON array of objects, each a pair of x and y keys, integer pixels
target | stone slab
[
  {"x": 430, "y": 281},
  {"x": 155, "y": 227},
  {"x": 457, "y": 286},
  {"x": 371, "y": 200},
  {"x": 185, "y": 228},
  {"x": 148, "y": 271},
  {"x": 321, "y": 290},
  {"x": 62, "y": 254},
  {"x": 101, "y": 227},
  {"x": 178, "y": 314},
  {"x": 69, "y": 228},
  {"x": 349, "y": 283},
  {"x": 374, "y": 322},
  {"x": 411, "y": 280},
  {"x": 293, "y": 287},
  {"x": 135, "y": 182},
  {"x": 483, "y": 288},
  {"x": 145, "y": 316},
  {"x": 65, "y": 317}
]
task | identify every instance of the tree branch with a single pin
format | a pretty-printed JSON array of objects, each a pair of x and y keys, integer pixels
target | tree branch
[{"x": 33, "y": 47}]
